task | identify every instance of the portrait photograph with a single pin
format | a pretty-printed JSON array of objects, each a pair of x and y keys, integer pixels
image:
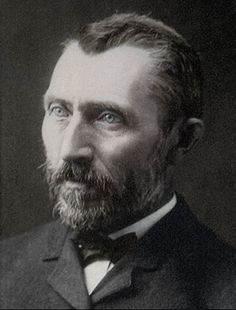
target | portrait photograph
[{"x": 118, "y": 154}]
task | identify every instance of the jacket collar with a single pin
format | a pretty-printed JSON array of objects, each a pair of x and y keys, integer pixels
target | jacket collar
[
  {"x": 55, "y": 239},
  {"x": 67, "y": 277}
]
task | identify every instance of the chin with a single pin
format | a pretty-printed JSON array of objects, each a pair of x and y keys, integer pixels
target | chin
[{"x": 86, "y": 214}]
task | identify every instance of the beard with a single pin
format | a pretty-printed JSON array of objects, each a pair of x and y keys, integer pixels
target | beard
[{"x": 89, "y": 201}]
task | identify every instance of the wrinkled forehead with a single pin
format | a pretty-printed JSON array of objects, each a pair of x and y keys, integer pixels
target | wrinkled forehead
[{"x": 113, "y": 71}]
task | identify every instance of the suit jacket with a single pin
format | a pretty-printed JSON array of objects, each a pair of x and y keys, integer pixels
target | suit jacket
[{"x": 179, "y": 263}]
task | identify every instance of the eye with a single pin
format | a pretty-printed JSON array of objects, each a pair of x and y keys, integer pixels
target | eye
[
  {"x": 59, "y": 111},
  {"x": 110, "y": 118}
]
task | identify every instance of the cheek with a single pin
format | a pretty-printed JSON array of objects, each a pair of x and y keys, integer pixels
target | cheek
[
  {"x": 52, "y": 141},
  {"x": 127, "y": 151}
]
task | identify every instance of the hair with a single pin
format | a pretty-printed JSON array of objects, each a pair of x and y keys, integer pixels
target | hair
[{"x": 176, "y": 76}]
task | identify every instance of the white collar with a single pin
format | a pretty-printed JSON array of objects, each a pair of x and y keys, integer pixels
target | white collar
[{"x": 142, "y": 226}]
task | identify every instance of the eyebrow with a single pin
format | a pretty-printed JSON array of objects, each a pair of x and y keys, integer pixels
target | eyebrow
[
  {"x": 93, "y": 107},
  {"x": 48, "y": 100}
]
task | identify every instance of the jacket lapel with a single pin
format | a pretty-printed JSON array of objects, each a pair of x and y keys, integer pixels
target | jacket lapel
[
  {"x": 67, "y": 277},
  {"x": 117, "y": 280}
]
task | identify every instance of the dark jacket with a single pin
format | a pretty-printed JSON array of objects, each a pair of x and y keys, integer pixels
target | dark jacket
[{"x": 178, "y": 264}]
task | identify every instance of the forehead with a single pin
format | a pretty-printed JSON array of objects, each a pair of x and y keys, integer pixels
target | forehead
[{"x": 108, "y": 76}]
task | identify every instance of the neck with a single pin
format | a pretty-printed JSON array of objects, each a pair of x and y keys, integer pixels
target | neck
[{"x": 142, "y": 212}]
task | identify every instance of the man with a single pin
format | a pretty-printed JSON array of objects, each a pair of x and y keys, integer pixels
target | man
[{"x": 123, "y": 107}]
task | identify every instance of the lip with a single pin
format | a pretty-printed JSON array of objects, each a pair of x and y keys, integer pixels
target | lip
[
  {"x": 77, "y": 185},
  {"x": 82, "y": 188}
]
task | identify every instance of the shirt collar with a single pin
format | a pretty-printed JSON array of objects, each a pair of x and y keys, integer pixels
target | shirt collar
[
  {"x": 57, "y": 232},
  {"x": 144, "y": 225}
]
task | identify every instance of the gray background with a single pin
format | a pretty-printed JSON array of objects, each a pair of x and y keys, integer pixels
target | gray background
[{"x": 31, "y": 31}]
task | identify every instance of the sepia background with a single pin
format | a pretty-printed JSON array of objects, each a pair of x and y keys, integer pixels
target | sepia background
[{"x": 31, "y": 31}]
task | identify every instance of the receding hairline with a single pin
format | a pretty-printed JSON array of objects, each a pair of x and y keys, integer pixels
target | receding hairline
[
  {"x": 175, "y": 62},
  {"x": 151, "y": 30}
]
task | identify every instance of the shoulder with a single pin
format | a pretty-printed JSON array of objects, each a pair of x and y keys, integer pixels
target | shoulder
[
  {"x": 27, "y": 247},
  {"x": 23, "y": 271},
  {"x": 22, "y": 262},
  {"x": 24, "y": 240},
  {"x": 217, "y": 266},
  {"x": 210, "y": 263}
]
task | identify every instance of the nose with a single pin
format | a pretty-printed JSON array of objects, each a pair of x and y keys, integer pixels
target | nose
[{"x": 77, "y": 144}]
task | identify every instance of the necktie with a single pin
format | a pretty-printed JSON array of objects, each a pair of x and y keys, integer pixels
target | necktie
[{"x": 95, "y": 247}]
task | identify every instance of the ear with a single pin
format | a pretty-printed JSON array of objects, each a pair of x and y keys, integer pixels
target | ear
[{"x": 191, "y": 132}]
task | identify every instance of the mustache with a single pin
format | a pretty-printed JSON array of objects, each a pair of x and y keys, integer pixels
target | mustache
[{"x": 79, "y": 173}]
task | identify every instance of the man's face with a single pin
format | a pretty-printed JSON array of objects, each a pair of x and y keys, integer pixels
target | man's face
[{"x": 103, "y": 137}]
